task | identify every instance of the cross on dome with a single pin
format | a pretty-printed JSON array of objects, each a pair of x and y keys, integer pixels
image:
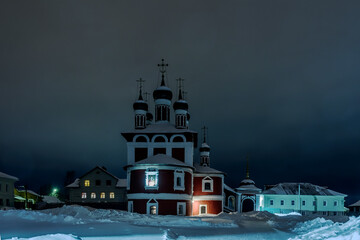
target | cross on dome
[
  {"x": 162, "y": 68},
  {"x": 140, "y": 86}
]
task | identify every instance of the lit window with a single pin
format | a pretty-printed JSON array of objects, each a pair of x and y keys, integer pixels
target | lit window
[
  {"x": 112, "y": 195},
  {"x": 102, "y": 195},
  {"x": 153, "y": 210},
  {"x": 93, "y": 195},
  {"x": 87, "y": 183},
  {"x": 293, "y": 202},
  {"x": 207, "y": 184},
  {"x": 271, "y": 202},
  {"x": 179, "y": 180},
  {"x": 83, "y": 195},
  {"x": 282, "y": 202},
  {"x": 151, "y": 178}
]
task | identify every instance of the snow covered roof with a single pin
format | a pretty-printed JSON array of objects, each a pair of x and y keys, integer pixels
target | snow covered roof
[
  {"x": 30, "y": 191},
  {"x": 121, "y": 182},
  {"x": 305, "y": 189},
  {"x": 229, "y": 188},
  {"x": 206, "y": 169},
  {"x": 357, "y": 204},
  {"x": 4, "y": 175},
  {"x": 76, "y": 183},
  {"x": 51, "y": 199},
  {"x": 162, "y": 159},
  {"x": 160, "y": 128}
]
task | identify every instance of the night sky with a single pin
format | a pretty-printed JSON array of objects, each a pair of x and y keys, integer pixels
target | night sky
[{"x": 276, "y": 80}]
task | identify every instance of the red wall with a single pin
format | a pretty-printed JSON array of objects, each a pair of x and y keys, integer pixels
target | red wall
[
  {"x": 165, "y": 181},
  {"x": 166, "y": 207},
  {"x": 213, "y": 207},
  {"x": 217, "y": 186}
]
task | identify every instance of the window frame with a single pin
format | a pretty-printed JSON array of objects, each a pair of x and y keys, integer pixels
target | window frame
[
  {"x": 282, "y": 202},
  {"x": 83, "y": 195},
  {"x": 202, "y": 205},
  {"x": 150, "y": 172},
  {"x": 87, "y": 183},
  {"x": 205, "y": 180},
  {"x": 178, "y": 173},
  {"x": 184, "y": 208},
  {"x": 112, "y": 195},
  {"x": 93, "y": 195},
  {"x": 102, "y": 195}
]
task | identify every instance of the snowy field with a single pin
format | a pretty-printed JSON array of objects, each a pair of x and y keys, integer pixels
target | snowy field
[{"x": 75, "y": 222}]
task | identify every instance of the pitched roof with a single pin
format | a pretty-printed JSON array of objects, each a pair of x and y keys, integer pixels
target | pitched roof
[
  {"x": 162, "y": 159},
  {"x": 206, "y": 169},
  {"x": 120, "y": 182},
  {"x": 4, "y": 175},
  {"x": 305, "y": 189},
  {"x": 357, "y": 204}
]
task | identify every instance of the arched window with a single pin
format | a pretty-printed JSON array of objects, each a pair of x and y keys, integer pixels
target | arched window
[
  {"x": 141, "y": 139},
  {"x": 178, "y": 139},
  {"x": 159, "y": 139}
]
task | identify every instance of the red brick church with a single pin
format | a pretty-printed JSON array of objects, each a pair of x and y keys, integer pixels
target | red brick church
[{"x": 162, "y": 176}]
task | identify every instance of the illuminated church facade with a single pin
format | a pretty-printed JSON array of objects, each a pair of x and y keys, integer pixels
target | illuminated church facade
[{"x": 162, "y": 177}]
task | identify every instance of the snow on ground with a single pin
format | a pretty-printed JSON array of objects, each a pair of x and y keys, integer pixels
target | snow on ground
[{"x": 83, "y": 223}]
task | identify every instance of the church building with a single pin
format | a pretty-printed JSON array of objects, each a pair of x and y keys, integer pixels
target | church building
[{"x": 162, "y": 177}]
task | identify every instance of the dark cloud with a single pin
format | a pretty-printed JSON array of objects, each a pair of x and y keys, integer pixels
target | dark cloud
[{"x": 277, "y": 80}]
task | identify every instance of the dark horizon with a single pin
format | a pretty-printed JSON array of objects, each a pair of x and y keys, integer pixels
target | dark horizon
[{"x": 278, "y": 81}]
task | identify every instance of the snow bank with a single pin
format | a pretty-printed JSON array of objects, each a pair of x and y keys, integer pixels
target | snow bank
[
  {"x": 320, "y": 229},
  {"x": 50, "y": 237},
  {"x": 287, "y": 214}
]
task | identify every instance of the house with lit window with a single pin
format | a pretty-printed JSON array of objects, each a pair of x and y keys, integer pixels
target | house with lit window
[
  {"x": 304, "y": 198},
  {"x": 98, "y": 188},
  {"x": 7, "y": 190},
  {"x": 161, "y": 175}
]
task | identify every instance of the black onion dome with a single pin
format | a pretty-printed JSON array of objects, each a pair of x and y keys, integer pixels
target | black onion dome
[
  {"x": 149, "y": 116},
  {"x": 204, "y": 148},
  {"x": 162, "y": 92},
  {"x": 181, "y": 104},
  {"x": 140, "y": 105},
  {"x": 247, "y": 181}
]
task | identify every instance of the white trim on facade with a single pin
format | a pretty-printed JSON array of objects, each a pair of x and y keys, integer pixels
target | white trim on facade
[
  {"x": 130, "y": 206},
  {"x": 162, "y": 196},
  {"x": 202, "y": 205},
  {"x": 206, "y": 180},
  {"x": 149, "y": 205},
  {"x": 179, "y": 173},
  {"x": 208, "y": 197}
]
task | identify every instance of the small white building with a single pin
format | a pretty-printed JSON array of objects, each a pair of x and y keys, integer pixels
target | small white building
[
  {"x": 7, "y": 190},
  {"x": 305, "y": 198}
]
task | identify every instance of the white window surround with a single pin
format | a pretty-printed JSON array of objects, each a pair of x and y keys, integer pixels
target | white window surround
[
  {"x": 130, "y": 206},
  {"x": 128, "y": 176},
  {"x": 150, "y": 204},
  {"x": 231, "y": 199},
  {"x": 202, "y": 205},
  {"x": 93, "y": 195},
  {"x": 179, "y": 174},
  {"x": 151, "y": 178},
  {"x": 210, "y": 181},
  {"x": 159, "y": 135},
  {"x": 83, "y": 195},
  {"x": 183, "y": 204}
]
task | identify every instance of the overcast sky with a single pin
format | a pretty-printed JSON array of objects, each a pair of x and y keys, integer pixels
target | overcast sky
[{"x": 277, "y": 80}]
